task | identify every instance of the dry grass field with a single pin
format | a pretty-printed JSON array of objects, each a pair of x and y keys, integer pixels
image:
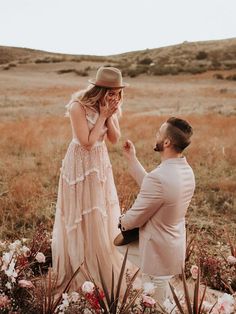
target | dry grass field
[{"x": 35, "y": 135}]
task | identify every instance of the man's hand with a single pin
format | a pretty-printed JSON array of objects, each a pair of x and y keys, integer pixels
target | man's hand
[{"x": 129, "y": 151}]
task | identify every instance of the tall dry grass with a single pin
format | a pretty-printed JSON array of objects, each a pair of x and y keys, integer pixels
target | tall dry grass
[{"x": 32, "y": 149}]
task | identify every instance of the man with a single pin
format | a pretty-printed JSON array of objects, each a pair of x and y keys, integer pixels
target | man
[{"x": 160, "y": 208}]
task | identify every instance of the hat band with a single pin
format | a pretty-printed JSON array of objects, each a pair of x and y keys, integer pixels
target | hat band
[{"x": 108, "y": 83}]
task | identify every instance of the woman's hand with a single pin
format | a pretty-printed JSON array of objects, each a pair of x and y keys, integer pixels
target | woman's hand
[{"x": 107, "y": 109}]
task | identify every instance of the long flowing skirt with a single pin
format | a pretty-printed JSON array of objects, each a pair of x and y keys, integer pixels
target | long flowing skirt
[{"x": 86, "y": 216}]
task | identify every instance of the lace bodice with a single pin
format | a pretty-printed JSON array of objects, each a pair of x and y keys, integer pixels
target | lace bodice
[{"x": 91, "y": 116}]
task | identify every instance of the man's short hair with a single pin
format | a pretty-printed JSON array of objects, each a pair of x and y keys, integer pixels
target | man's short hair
[{"x": 179, "y": 132}]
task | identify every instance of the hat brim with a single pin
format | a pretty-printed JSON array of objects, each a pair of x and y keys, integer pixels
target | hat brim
[
  {"x": 121, "y": 240},
  {"x": 93, "y": 81}
]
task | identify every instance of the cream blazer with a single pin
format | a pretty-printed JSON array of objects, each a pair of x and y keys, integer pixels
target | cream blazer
[{"x": 159, "y": 211}]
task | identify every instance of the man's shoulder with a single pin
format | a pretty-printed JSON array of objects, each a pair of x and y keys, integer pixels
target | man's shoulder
[
  {"x": 170, "y": 169},
  {"x": 155, "y": 174}
]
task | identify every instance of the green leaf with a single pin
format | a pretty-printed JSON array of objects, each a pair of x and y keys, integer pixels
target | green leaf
[
  {"x": 176, "y": 299},
  {"x": 186, "y": 293},
  {"x": 104, "y": 287},
  {"x": 120, "y": 280}
]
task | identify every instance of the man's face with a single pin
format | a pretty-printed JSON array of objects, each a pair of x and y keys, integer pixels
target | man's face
[{"x": 160, "y": 138}]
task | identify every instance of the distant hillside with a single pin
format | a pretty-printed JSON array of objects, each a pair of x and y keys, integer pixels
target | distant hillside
[
  {"x": 190, "y": 57},
  {"x": 26, "y": 55},
  {"x": 193, "y": 57}
]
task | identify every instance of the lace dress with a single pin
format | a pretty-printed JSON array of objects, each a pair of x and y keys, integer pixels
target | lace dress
[{"x": 87, "y": 212}]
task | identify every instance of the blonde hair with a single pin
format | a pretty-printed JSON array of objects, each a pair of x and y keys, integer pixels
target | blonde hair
[{"x": 90, "y": 98}]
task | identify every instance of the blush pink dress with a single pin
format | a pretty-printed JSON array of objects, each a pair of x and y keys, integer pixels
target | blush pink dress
[{"x": 87, "y": 212}]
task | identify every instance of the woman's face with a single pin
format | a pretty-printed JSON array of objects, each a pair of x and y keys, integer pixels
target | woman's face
[{"x": 113, "y": 96}]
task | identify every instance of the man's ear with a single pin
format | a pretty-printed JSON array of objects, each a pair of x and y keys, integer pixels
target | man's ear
[{"x": 167, "y": 142}]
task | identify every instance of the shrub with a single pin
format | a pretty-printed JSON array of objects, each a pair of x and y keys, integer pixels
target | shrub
[
  {"x": 196, "y": 69},
  {"x": 218, "y": 76},
  {"x": 78, "y": 72},
  {"x": 215, "y": 63},
  {"x": 160, "y": 70},
  {"x": 139, "y": 69},
  {"x": 201, "y": 55},
  {"x": 146, "y": 61},
  {"x": 12, "y": 65},
  {"x": 81, "y": 72},
  {"x": 63, "y": 71},
  {"x": 45, "y": 60},
  {"x": 231, "y": 77}
]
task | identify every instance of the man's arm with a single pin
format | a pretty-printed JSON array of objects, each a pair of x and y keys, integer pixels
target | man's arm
[
  {"x": 135, "y": 168},
  {"x": 149, "y": 200}
]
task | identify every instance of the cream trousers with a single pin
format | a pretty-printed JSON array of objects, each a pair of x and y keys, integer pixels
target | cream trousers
[{"x": 160, "y": 283}]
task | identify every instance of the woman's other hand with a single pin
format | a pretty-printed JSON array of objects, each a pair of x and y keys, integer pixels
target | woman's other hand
[{"x": 108, "y": 109}]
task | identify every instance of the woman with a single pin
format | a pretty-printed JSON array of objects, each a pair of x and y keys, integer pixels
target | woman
[{"x": 87, "y": 207}]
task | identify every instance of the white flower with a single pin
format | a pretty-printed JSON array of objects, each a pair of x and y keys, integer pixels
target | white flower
[
  {"x": 6, "y": 259},
  {"x": 65, "y": 296},
  {"x": 88, "y": 287},
  {"x": 74, "y": 296},
  {"x": 25, "y": 250},
  {"x": 40, "y": 257},
  {"x": 231, "y": 260},
  {"x": 15, "y": 245},
  {"x": 11, "y": 272},
  {"x": 225, "y": 304},
  {"x": 8, "y": 285},
  {"x": 194, "y": 271},
  {"x": 149, "y": 288},
  {"x": 65, "y": 303}
]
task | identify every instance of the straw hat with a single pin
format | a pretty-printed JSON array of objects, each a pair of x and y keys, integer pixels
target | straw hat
[
  {"x": 125, "y": 237},
  {"x": 108, "y": 77}
]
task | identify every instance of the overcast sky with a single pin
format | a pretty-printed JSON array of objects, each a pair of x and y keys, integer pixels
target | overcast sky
[{"x": 104, "y": 27}]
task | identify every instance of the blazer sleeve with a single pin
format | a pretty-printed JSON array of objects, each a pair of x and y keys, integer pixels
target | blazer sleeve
[
  {"x": 137, "y": 171},
  {"x": 147, "y": 203}
]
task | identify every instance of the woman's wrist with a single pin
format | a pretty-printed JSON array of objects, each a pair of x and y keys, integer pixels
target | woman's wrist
[{"x": 102, "y": 118}]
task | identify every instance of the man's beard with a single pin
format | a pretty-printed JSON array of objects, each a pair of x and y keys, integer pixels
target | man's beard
[{"x": 159, "y": 147}]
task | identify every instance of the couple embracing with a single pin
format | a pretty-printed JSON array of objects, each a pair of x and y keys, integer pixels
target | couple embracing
[{"x": 88, "y": 213}]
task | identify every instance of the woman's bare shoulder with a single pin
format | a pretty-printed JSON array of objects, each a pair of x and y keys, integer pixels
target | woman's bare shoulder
[{"x": 77, "y": 107}]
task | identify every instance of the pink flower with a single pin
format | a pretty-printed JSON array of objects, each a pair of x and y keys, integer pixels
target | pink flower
[
  {"x": 40, "y": 257},
  {"x": 25, "y": 284},
  {"x": 148, "y": 301},
  {"x": 194, "y": 271},
  {"x": 4, "y": 301},
  {"x": 231, "y": 260}
]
